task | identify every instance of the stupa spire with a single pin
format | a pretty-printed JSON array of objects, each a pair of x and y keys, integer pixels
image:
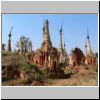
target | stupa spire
[
  {"x": 9, "y": 40},
  {"x": 88, "y": 45},
  {"x": 46, "y": 42},
  {"x": 60, "y": 43}
]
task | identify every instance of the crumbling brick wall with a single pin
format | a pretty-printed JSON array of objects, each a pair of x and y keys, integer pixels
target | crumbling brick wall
[{"x": 77, "y": 57}]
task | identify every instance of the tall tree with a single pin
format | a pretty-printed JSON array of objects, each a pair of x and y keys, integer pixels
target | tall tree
[{"x": 25, "y": 41}]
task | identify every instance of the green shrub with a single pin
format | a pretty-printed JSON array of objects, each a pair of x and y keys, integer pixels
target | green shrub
[
  {"x": 29, "y": 80},
  {"x": 26, "y": 68},
  {"x": 33, "y": 65},
  {"x": 24, "y": 82},
  {"x": 4, "y": 53},
  {"x": 37, "y": 77}
]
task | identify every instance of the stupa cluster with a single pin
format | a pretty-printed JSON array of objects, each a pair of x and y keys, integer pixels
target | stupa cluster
[{"x": 49, "y": 56}]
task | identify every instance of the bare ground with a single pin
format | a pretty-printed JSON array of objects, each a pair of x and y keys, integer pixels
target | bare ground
[
  {"x": 82, "y": 78},
  {"x": 76, "y": 81}
]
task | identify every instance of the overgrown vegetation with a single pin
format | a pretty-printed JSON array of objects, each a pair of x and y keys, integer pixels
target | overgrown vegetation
[
  {"x": 26, "y": 68},
  {"x": 33, "y": 75},
  {"x": 4, "y": 53},
  {"x": 18, "y": 63}
]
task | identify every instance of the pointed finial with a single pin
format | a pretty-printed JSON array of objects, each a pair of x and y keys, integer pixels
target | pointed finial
[
  {"x": 10, "y": 31},
  {"x": 61, "y": 29},
  {"x": 43, "y": 28},
  {"x": 64, "y": 45},
  {"x": 46, "y": 21},
  {"x": 43, "y": 25},
  {"x": 87, "y": 33}
]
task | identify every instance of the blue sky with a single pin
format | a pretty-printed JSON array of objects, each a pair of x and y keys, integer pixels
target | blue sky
[{"x": 74, "y": 29}]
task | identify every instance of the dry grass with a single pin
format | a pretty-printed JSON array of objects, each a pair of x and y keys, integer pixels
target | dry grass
[{"x": 82, "y": 78}]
